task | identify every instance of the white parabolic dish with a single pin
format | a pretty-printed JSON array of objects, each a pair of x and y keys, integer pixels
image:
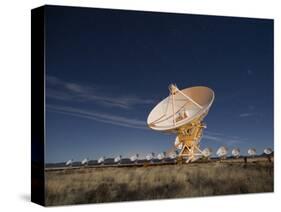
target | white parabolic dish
[{"x": 161, "y": 118}]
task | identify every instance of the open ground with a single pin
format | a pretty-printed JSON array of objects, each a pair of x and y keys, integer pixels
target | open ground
[{"x": 113, "y": 184}]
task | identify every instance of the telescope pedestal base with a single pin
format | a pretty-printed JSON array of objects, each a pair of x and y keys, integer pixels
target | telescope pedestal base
[
  {"x": 189, "y": 137},
  {"x": 192, "y": 153}
]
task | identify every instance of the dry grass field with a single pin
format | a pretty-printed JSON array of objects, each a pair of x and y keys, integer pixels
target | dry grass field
[{"x": 97, "y": 185}]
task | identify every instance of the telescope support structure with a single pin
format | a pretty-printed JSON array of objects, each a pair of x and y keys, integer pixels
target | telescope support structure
[
  {"x": 182, "y": 112},
  {"x": 189, "y": 137}
]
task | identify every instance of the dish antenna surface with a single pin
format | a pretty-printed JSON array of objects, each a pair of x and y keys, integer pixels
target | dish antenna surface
[
  {"x": 84, "y": 161},
  {"x": 207, "y": 152},
  {"x": 267, "y": 151},
  {"x": 178, "y": 144},
  {"x": 150, "y": 156},
  {"x": 172, "y": 155},
  {"x": 161, "y": 156},
  {"x": 101, "y": 160},
  {"x": 235, "y": 152},
  {"x": 118, "y": 159},
  {"x": 182, "y": 112},
  {"x": 252, "y": 152},
  {"x": 69, "y": 163},
  {"x": 134, "y": 158},
  {"x": 222, "y": 152}
]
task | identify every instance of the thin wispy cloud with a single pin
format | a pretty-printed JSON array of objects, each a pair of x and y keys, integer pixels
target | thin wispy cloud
[
  {"x": 212, "y": 138},
  {"x": 132, "y": 122},
  {"x": 222, "y": 138},
  {"x": 69, "y": 91},
  {"x": 246, "y": 114},
  {"x": 99, "y": 117},
  {"x": 257, "y": 115}
]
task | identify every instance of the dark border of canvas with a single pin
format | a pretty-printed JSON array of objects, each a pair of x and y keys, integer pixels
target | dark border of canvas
[{"x": 37, "y": 106}]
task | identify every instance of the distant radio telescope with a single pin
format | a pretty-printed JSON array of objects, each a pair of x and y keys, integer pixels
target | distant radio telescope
[
  {"x": 150, "y": 156},
  {"x": 222, "y": 152},
  {"x": 84, "y": 161},
  {"x": 118, "y": 159},
  {"x": 252, "y": 152},
  {"x": 134, "y": 158},
  {"x": 207, "y": 152},
  {"x": 69, "y": 162},
  {"x": 161, "y": 156},
  {"x": 101, "y": 160},
  {"x": 178, "y": 144},
  {"x": 182, "y": 113},
  {"x": 172, "y": 155},
  {"x": 235, "y": 152},
  {"x": 267, "y": 151}
]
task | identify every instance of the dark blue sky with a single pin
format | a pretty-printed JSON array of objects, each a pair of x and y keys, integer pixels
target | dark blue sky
[{"x": 106, "y": 69}]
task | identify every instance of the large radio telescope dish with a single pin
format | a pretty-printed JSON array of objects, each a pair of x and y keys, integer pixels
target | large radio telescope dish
[{"x": 182, "y": 112}]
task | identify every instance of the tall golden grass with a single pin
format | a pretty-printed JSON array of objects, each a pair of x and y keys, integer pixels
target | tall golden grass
[{"x": 97, "y": 185}]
